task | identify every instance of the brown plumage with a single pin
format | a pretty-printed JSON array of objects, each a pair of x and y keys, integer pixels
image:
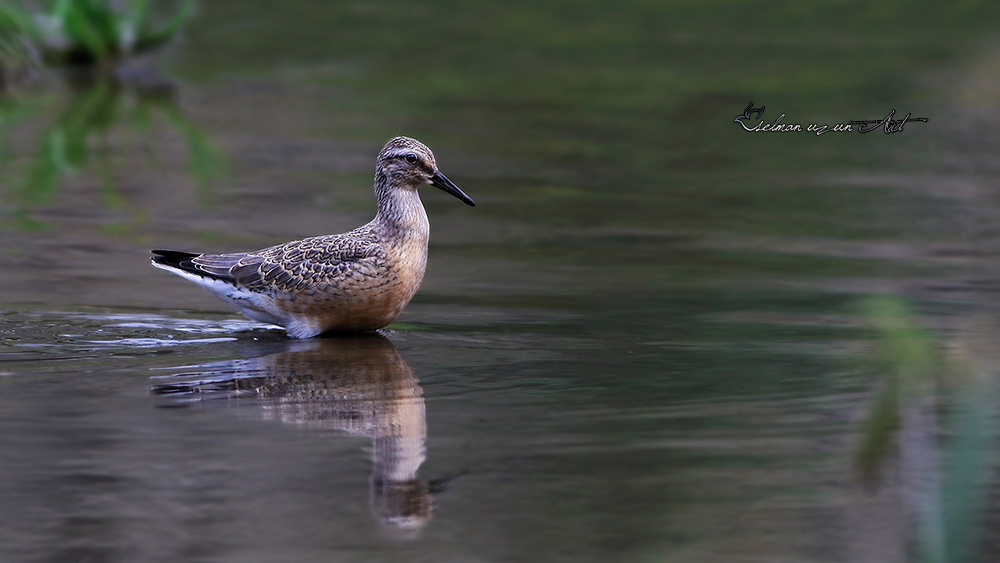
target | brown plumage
[{"x": 356, "y": 281}]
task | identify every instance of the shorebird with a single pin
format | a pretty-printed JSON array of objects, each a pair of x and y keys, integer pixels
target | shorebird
[{"x": 357, "y": 281}]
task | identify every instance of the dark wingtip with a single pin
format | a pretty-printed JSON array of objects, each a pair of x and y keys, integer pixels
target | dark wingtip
[{"x": 173, "y": 258}]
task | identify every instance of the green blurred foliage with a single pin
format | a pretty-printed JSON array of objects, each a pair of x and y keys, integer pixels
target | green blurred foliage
[
  {"x": 95, "y": 35},
  {"x": 958, "y": 394},
  {"x": 89, "y": 32},
  {"x": 77, "y": 140}
]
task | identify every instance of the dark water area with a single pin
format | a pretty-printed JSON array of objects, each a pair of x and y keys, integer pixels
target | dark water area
[
  {"x": 654, "y": 338},
  {"x": 155, "y": 437}
]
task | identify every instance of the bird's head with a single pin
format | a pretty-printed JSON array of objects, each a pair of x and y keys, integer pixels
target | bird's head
[{"x": 408, "y": 163}]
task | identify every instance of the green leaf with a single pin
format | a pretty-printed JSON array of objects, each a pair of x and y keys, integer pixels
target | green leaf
[{"x": 148, "y": 39}]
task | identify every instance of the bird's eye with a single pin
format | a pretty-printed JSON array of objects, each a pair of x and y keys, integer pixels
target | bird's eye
[{"x": 410, "y": 158}]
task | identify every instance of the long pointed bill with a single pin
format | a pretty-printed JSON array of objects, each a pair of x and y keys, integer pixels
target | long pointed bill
[{"x": 439, "y": 180}]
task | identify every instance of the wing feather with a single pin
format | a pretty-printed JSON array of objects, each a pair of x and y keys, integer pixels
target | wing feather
[{"x": 325, "y": 260}]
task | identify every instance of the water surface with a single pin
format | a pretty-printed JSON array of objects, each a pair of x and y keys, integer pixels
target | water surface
[{"x": 646, "y": 343}]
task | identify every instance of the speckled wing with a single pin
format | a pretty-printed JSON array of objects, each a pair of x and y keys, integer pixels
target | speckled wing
[{"x": 317, "y": 263}]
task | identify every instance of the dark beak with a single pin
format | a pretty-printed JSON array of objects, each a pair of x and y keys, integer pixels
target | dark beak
[{"x": 441, "y": 181}]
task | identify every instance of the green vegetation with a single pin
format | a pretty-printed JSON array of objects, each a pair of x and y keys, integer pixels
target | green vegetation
[
  {"x": 937, "y": 413},
  {"x": 78, "y": 138},
  {"x": 90, "y": 33},
  {"x": 94, "y": 35},
  {"x": 17, "y": 53}
]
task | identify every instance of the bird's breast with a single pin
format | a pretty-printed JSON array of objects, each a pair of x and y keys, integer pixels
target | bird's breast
[{"x": 366, "y": 301}]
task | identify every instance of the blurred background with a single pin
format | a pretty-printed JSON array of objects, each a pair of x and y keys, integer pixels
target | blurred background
[{"x": 658, "y": 337}]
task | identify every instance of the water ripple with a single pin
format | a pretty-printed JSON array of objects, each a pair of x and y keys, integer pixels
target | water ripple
[{"x": 48, "y": 332}]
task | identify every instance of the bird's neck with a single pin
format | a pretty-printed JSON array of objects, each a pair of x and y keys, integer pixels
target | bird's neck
[{"x": 401, "y": 215}]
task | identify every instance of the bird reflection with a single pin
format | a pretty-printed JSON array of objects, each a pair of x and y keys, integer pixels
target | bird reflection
[{"x": 355, "y": 384}]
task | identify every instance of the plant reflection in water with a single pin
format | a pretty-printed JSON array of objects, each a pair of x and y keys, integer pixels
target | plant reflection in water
[
  {"x": 355, "y": 384},
  {"x": 95, "y": 110}
]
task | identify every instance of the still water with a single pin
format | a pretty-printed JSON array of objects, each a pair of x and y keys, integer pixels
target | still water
[
  {"x": 142, "y": 436},
  {"x": 648, "y": 342}
]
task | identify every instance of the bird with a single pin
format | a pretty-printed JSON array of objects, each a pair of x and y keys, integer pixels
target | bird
[{"x": 358, "y": 281}]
